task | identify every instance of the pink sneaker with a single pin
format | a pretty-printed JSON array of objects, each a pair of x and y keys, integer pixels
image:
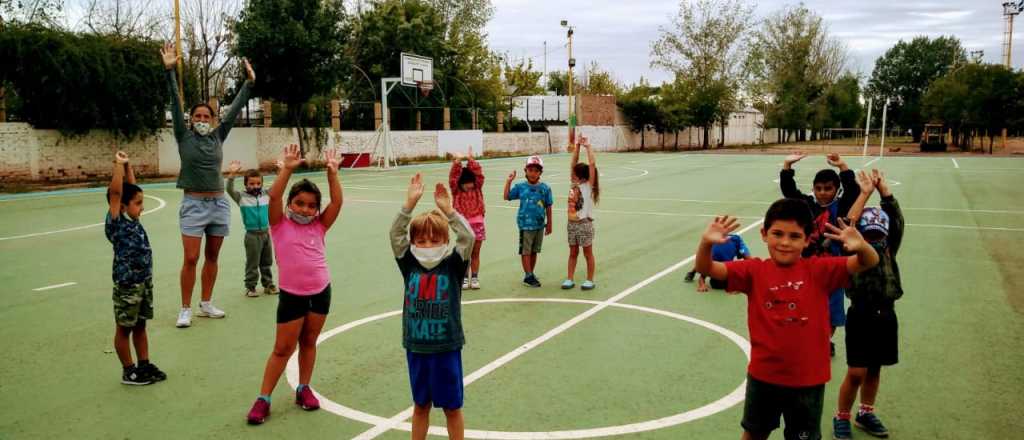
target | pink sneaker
[
  {"x": 259, "y": 412},
  {"x": 306, "y": 399}
]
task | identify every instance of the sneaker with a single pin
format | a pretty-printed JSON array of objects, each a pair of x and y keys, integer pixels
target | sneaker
[
  {"x": 465, "y": 284},
  {"x": 689, "y": 276},
  {"x": 531, "y": 280},
  {"x": 474, "y": 283},
  {"x": 568, "y": 284},
  {"x": 588, "y": 285},
  {"x": 208, "y": 310},
  {"x": 135, "y": 376},
  {"x": 153, "y": 372},
  {"x": 270, "y": 290},
  {"x": 306, "y": 399},
  {"x": 259, "y": 412},
  {"x": 251, "y": 293},
  {"x": 841, "y": 429},
  {"x": 869, "y": 423},
  {"x": 184, "y": 318}
]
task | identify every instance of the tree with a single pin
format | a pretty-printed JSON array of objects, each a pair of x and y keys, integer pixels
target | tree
[
  {"x": 704, "y": 46},
  {"x": 41, "y": 12},
  {"x": 674, "y": 111},
  {"x": 296, "y": 47},
  {"x": 791, "y": 64},
  {"x": 640, "y": 107},
  {"x": 523, "y": 80},
  {"x": 558, "y": 82},
  {"x": 905, "y": 72},
  {"x": 839, "y": 106},
  {"x": 973, "y": 99},
  {"x": 597, "y": 81},
  {"x": 123, "y": 18},
  {"x": 207, "y": 38}
]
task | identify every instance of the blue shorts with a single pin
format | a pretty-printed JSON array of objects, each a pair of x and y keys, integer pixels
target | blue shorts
[
  {"x": 436, "y": 378},
  {"x": 837, "y": 308},
  {"x": 204, "y": 215}
]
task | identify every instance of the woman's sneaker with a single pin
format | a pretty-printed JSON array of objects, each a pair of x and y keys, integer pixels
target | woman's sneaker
[
  {"x": 208, "y": 310},
  {"x": 135, "y": 376},
  {"x": 259, "y": 412},
  {"x": 870, "y": 423},
  {"x": 306, "y": 399},
  {"x": 184, "y": 318},
  {"x": 474, "y": 283}
]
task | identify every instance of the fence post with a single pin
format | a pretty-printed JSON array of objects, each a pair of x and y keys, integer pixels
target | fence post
[
  {"x": 501, "y": 122},
  {"x": 3, "y": 104},
  {"x": 474, "y": 119},
  {"x": 447, "y": 118},
  {"x": 377, "y": 118},
  {"x": 268, "y": 113},
  {"x": 418, "y": 120},
  {"x": 335, "y": 115}
]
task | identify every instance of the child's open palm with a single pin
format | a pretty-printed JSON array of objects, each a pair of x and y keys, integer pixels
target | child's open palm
[
  {"x": 415, "y": 191},
  {"x": 169, "y": 56},
  {"x": 718, "y": 231},
  {"x": 292, "y": 157},
  {"x": 866, "y": 182},
  {"x": 443, "y": 199},
  {"x": 879, "y": 179},
  {"x": 795, "y": 157},
  {"x": 235, "y": 167},
  {"x": 846, "y": 234},
  {"x": 332, "y": 156}
]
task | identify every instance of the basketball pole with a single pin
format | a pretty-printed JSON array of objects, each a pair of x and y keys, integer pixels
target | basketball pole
[
  {"x": 386, "y": 85},
  {"x": 885, "y": 107},
  {"x": 867, "y": 128}
]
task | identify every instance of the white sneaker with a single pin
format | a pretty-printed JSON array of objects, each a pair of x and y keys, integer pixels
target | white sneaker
[
  {"x": 184, "y": 318},
  {"x": 465, "y": 284},
  {"x": 474, "y": 283},
  {"x": 251, "y": 293},
  {"x": 208, "y": 310}
]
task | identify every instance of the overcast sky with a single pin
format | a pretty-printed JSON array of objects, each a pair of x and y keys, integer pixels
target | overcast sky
[{"x": 618, "y": 33}]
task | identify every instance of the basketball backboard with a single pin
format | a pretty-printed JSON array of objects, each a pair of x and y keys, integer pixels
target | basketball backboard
[{"x": 416, "y": 69}]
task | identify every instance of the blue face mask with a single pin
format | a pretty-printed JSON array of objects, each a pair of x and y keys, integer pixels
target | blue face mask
[{"x": 256, "y": 192}]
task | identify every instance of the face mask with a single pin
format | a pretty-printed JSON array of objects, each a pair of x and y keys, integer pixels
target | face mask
[
  {"x": 255, "y": 191},
  {"x": 429, "y": 257},
  {"x": 299, "y": 218},
  {"x": 202, "y": 128},
  {"x": 879, "y": 245}
]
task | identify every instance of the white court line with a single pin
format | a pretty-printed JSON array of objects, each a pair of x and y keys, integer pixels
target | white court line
[
  {"x": 981, "y": 228},
  {"x": 956, "y": 165},
  {"x": 55, "y": 286},
  {"x": 753, "y": 202},
  {"x": 870, "y": 162},
  {"x": 611, "y": 211},
  {"x": 508, "y": 357},
  {"x": 76, "y": 228}
]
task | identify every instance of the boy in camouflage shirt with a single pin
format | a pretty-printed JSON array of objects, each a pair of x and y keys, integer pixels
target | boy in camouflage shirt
[{"x": 132, "y": 274}]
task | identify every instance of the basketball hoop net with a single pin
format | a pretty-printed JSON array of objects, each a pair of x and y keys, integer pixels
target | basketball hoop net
[{"x": 425, "y": 87}]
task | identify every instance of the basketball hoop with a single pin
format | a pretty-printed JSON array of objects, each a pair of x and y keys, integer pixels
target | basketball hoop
[{"x": 425, "y": 87}]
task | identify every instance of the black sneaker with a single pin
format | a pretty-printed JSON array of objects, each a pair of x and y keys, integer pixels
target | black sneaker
[
  {"x": 689, "y": 276},
  {"x": 869, "y": 423},
  {"x": 531, "y": 281},
  {"x": 135, "y": 376},
  {"x": 153, "y": 372}
]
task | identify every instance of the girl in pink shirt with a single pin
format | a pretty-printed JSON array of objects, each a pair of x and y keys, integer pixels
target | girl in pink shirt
[{"x": 305, "y": 284}]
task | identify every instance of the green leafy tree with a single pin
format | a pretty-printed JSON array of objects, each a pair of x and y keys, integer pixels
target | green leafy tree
[
  {"x": 522, "y": 78},
  {"x": 975, "y": 99},
  {"x": 905, "y": 72},
  {"x": 640, "y": 107},
  {"x": 297, "y": 47}
]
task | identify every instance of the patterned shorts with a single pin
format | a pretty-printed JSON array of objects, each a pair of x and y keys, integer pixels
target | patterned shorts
[
  {"x": 132, "y": 303},
  {"x": 581, "y": 233},
  {"x": 479, "y": 231}
]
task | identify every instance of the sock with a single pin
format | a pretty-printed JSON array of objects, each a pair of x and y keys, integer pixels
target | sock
[
  {"x": 204, "y": 303},
  {"x": 299, "y": 388},
  {"x": 143, "y": 362},
  {"x": 265, "y": 398},
  {"x": 475, "y": 274},
  {"x": 843, "y": 415},
  {"x": 864, "y": 409}
]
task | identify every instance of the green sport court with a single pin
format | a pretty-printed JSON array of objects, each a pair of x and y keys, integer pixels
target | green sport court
[{"x": 642, "y": 356}]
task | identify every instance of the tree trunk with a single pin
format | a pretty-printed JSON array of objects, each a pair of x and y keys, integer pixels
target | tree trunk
[
  {"x": 707, "y": 130},
  {"x": 643, "y": 138},
  {"x": 722, "y": 142}
]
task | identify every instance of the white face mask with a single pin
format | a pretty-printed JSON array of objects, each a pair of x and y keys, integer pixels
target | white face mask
[
  {"x": 429, "y": 257},
  {"x": 299, "y": 218},
  {"x": 202, "y": 128}
]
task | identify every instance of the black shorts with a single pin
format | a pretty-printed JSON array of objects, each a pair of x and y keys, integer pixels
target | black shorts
[
  {"x": 801, "y": 407},
  {"x": 871, "y": 337},
  {"x": 716, "y": 284},
  {"x": 291, "y": 306}
]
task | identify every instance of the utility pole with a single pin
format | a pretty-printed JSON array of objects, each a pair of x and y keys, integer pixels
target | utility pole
[
  {"x": 545, "y": 77},
  {"x": 572, "y": 102}
]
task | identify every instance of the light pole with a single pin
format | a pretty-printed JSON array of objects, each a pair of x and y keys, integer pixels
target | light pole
[{"x": 572, "y": 102}]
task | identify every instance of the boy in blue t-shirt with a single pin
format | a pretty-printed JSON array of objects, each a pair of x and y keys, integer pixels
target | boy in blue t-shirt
[
  {"x": 734, "y": 249},
  {"x": 534, "y": 216},
  {"x": 132, "y": 274}
]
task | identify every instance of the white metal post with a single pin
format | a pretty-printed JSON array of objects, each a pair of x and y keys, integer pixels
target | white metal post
[
  {"x": 867, "y": 128},
  {"x": 386, "y": 84},
  {"x": 885, "y": 107}
]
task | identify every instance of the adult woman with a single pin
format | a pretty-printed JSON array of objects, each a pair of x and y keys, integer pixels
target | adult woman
[{"x": 204, "y": 209}]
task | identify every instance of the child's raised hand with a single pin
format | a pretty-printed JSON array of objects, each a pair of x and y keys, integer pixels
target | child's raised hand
[
  {"x": 795, "y": 157},
  {"x": 249, "y": 73},
  {"x": 234, "y": 167},
  {"x": 121, "y": 157},
  {"x": 585, "y": 142},
  {"x": 443, "y": 199},
  {"x": 469, "y": 153},
  {"x": 415, "y": 191},
  {"x": 169, "y": 55},
  {"x": 332, "y": 157},
  {"x": 292, "y": 157},
  {"x": 835, "y": 160},
  {"x": 879, "y": 179},
  {"x": 866, "y": 182},
  {"x": 512, "y": 176},
  {"x": 718, "y": 231},
  {"x": 846, "y": 234}
]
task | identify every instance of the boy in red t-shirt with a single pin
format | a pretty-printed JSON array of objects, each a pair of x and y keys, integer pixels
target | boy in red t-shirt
[{"x": 787, "y": 314}]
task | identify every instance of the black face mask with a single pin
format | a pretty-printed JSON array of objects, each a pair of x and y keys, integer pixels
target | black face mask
[{"x": 254, "y": 191}]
